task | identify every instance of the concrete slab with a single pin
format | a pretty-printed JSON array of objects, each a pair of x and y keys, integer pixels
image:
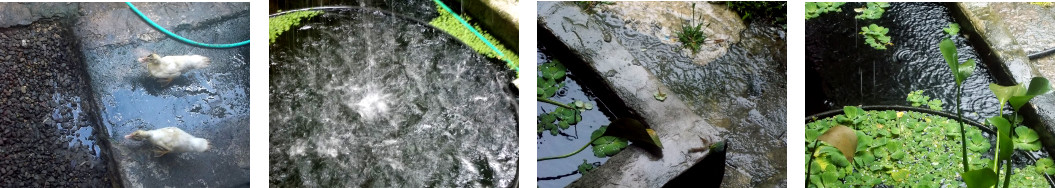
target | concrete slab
[
  {"x": 211, "y": 103},
  {"x": 1012, "y": 30},
  {"x": 678, "y": 127}
]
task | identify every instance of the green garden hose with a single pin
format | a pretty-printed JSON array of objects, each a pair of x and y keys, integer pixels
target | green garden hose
[
  {"x": 478, "y": 35},
  {"x": 173, "y": 35}
]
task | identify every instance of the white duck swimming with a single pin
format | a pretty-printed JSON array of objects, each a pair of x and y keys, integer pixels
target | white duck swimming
[
  {"x": 170, "y": 139},
  {"x": 169, "y": 67}
]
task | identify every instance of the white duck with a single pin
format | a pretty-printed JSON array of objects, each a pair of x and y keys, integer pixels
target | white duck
[
  {"x": 169, "y": 67},
  {"x": 170, "y": 139}
]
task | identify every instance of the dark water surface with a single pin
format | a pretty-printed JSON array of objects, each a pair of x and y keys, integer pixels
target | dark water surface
[{"x": 366, "y": 99}]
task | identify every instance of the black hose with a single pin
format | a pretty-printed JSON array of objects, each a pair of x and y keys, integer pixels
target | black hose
[{"x": 1041, "y": 54}]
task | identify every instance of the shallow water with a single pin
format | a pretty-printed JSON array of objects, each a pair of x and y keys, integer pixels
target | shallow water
[
  {"x": 561, "y": 172},
  {"x": 849, "y": 72},
  {"x": 362, "y": 98}
]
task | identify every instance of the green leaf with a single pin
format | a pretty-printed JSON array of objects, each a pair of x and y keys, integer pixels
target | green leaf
[
  {"x": 608, "y": 146},
  {"x": 1037, "y": 86},
  {"x": 585, "y": 167},
  {"x": 553, "y": 70},
  {"x": 659, "y": 95},
  {"x": 1046, "y": 166},
  {"x": 875, "y": 36},
  {"x": 1003, "y": 147},
  {"x": 953, "y": 29},
  {"x": 960, "y": 71},
  {"x": 980, "y": 178},
  {"x": 1004, "y": 93},
  {"x": 1026, "y": 139}
]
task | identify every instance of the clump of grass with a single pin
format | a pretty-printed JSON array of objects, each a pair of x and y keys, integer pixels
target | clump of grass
[
  {"x": 691, "y": 36},
  {"x": 282, "y": 23},
  {"x": 449, "y": 24}
]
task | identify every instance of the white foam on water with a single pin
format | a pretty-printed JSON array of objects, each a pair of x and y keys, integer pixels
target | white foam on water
[{"x": 372, "y": 105}]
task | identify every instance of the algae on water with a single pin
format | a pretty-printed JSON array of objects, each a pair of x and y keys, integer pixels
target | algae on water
[
  {"x": 451, "y": 25},
  {"x": 282, "y": 23}
]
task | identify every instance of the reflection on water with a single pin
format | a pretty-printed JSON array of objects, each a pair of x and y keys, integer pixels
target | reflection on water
[{"x": 362, "y": 98}]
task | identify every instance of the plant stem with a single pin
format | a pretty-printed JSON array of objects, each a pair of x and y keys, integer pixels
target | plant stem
[
  {"x": 809, "y": 164},
  {"x": 570, "y": 154},
  {"x": 963, "y": 134},
  {"x": 1007, "y": 173},
  {"x": 554, "y": 102}
]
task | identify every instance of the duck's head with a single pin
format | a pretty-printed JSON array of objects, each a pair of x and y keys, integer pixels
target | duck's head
[
  {"x": 139, "y": 135},
  {"x": 150, "y": 59}
]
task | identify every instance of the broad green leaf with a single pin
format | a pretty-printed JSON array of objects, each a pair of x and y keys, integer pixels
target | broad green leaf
[
  {"x": 980, "y": 178},
  {"x": 843, "y": 138},
  {"x": 1037, "y": 86},
  {"x": 1003, "y": 129},
  {"x": 1004, "y": 93},
  {"x": 608, "y": 146},
  {"x": 959, "y": 71}
]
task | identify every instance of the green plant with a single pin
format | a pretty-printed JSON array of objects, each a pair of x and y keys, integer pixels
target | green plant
[
  {"x": 953, "y": 29},
  {"x": 691, "y": 36},
  {"x": 609, "y": 140},
  {"x": 279, "y": 24},
  {"x": 1046, "y": 166},
  {"x": 918, "y": 99},
  {"x": 815, "y": 9},
  {"x": 659, "y": 95},
  {"x": 448, "y": 23},
  {"x": 564, "y": 116},
  {"x": 1026, "y": 139},
  {"x": 604, "y": 146},
  {"x": 585, "y": 167},
  {"x": 872, "y": 10},
  {"x": 875, "y": 36}
]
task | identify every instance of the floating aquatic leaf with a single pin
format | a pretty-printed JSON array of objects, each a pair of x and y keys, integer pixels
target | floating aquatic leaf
[
  {"x": 876, "y": 37},
  {"x": 1026, "y": 139},
  {"x": 873, "y": 10},
  {"x": 1046, "y": 166},
  {"x": 815, "y": 9},
  {"x": 608, "y": 146},
  {"x": 953, "y": 29},
  {"x": 585, "y": 167}
]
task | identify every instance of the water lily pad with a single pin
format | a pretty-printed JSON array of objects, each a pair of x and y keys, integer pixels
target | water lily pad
[{"x": 608, "y": 146}]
